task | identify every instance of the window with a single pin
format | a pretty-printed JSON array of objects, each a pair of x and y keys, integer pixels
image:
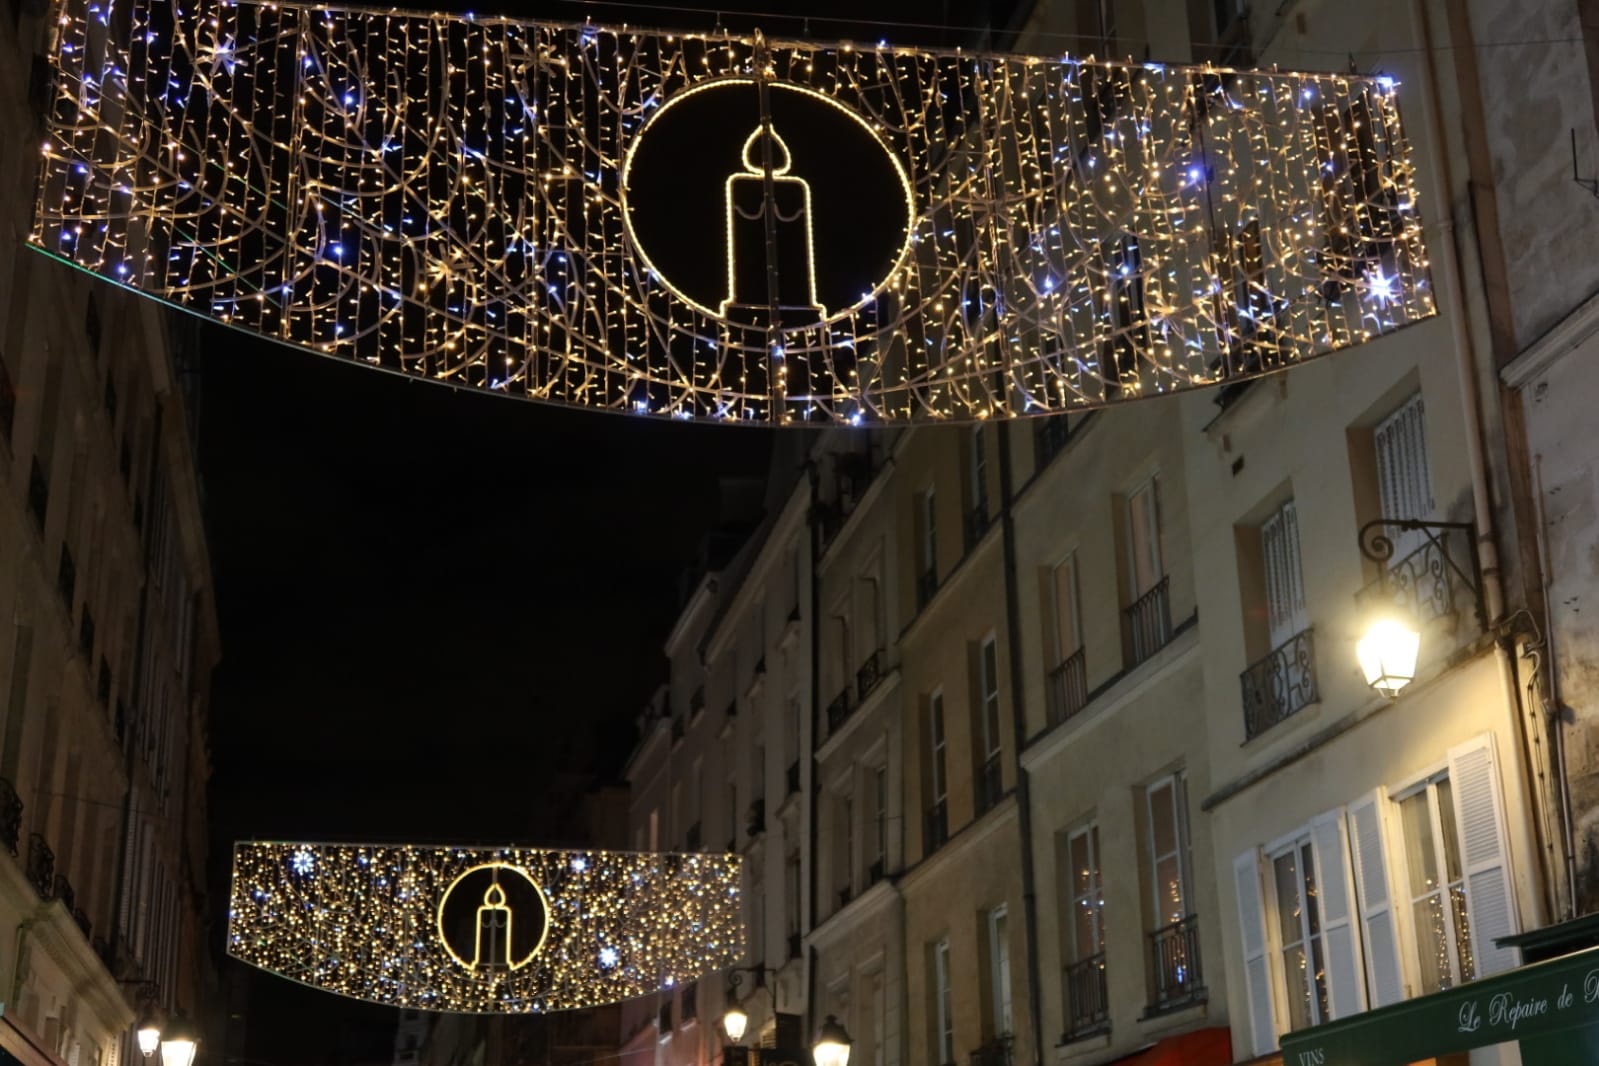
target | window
[
  {"x": 1285, "y": 582},
  {"x": 1088, "y": 893},
  {"x": 979, "y": 470},
  {"x": 943, "y": 1014},
  {"x": 929, "y": 532},
  {"x": 1065, "y": 616},
  {"x": 791, "y": 900},
  {"x": 1126, "y": 272},
  {"x": 999, "y": 969},
  {"x": 1404, "y": 485},
  {"x": 1303, "y": 965},
  {"x": 879, "y": 821},
  {"x": 732, "y": 813},
  {"x": 846, "y": 815},
  {"x": 937, "y": 825},
  {"x": 1143, "y": 540},
  {"x": 1436, "y": 886},
  {"x": 989, "y": 775},
  {"x": 1168, "y": 844}
]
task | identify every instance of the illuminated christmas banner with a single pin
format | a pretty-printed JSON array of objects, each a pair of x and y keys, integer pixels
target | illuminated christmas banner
[
  {"x": 508, "y": 930},
  {"x": 709, "y": 226}
]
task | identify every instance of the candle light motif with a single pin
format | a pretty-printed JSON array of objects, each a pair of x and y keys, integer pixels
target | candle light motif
[{"x": 448, "y": 197}]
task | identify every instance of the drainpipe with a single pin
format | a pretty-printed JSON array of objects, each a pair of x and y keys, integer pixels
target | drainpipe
[
  {"x": 1554, "y": 714},
  {"x": 1492, "y": 591},
  {"x": 814, "y": 477},
  {"x": 1024, "y": 813}
]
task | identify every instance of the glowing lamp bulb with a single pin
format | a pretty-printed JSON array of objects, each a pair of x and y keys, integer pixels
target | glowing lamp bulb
[
  {"x": 832, "y": 1044},
  {"x": 1387, "y": 655},
  {"x": 149, "y": 1038},
  {"x": 734, "y": 1023}
]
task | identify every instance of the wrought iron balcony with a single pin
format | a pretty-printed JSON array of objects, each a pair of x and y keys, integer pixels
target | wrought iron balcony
[
  {"x": 977, "y": 523},
  {"x": 1087, "y": 1006},
  {"x": 793, "y": 777},
  {"x": 869, "y": 675},
  {"x": 840, "y": 709},
  {"x": 926, "y": 586},
  {"x": 10, "y": 815},
  {"x": 1280, "y": 684},
  {"x": 935, "y": 827},
  {"x": 1049, "y": 437},
  {"x": 997, "y": 1052},
  {"x": 1066, "y": 688},
  {"x": 41, "y": 869},
  {"x": 1148, "y": 622},
  {"x": 990, "y": 783},
  {"x": 1179, "y": 978},
  {"x": 755, "y": 823},
  {"x": 1432, "y": 581}
]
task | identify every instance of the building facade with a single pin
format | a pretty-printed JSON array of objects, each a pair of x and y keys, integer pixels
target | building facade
[{"x": 108, "y": 644}]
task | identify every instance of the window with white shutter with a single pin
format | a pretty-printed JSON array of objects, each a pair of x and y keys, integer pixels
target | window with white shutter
[
  {"x": 1485, "y": 858},
  {"x": 1257, "y": 970},
  {"x": 1404, "y": 484},
  {"x": 1346, "y": 985},
  {"x": 1380, "y": 937},
  {"x": 1285, "y": 581}
]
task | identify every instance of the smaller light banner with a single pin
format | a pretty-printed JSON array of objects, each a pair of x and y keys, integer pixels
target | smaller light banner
[{"x": 483, "y": 931}]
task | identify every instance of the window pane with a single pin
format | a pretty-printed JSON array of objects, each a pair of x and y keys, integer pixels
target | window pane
[
  {"x": 1163, "y": 819},
  {"x": 1312, "y": 908},
  {"x": 1066, "y": 638},
  {"x": 1446, "y": 819},
  {"x": 1318, "y": 975},
  {"x": 1169, "y": 890},
  {"x": 1081, "y": 863},
  {"x": 1421, "y": 857},
  {"x": 1288, "y": 903},
  {"x": 1298, "y": 987},
  {"x": 1432, "y": 943},
  {"x": 1457, "y": 905}
]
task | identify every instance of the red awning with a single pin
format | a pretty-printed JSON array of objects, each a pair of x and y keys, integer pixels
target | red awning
[{"x": 1202, "y": 1047}]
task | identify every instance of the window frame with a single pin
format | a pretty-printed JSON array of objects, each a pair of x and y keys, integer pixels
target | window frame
[
  {"x": 1002, "y": 1002},
  {"x": 943, "y": 1014},
  {"x": 1144, "y": 495},
  {"x": 1178, "y": 780},
  {"x": 1299, "y": 843},
  {"x": 1094, "y": 896}
]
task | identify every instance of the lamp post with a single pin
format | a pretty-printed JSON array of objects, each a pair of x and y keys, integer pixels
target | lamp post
[
  {"x": 149, "y": 1030},
  {"x": 735, "y": 1019},
  {"x": 1390, "y": 647},
  {"x": 832, "y": 1044},
  {"x": 178, "y": 1042}
]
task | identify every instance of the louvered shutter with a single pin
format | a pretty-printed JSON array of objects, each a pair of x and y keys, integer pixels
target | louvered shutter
[
  {"x": 1285, "y": 582},
  {"x": 1340, "y": 939},
  {"x": 1385, "y": 984},
  {"x": 1484, "y": 857},
  {"x": 1257, "y": 972},
  {"x": 1403, "y": 480}
]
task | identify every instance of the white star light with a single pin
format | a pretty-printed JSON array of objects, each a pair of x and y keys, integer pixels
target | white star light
[{"x": 302, "y": 862}]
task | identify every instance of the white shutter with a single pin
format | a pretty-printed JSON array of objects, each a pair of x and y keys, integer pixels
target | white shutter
[
  {"x": 1340, "y": 940},
  {"x": 1257, "y": 973},
  {"x": 1381, "y": 939},
  {"x": 1403, "y": 482},
  {"x": 1484, "y": 857},
  {"x": 1285, "y": 582}
]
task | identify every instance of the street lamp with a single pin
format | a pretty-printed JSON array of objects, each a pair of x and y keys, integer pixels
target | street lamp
[
  {"x": 832, "y": 1044},
  {"x": 733, "y": 1023},
  {"x": 178, "y": 1042},
  {"x": 1390, "y": 648},
  {"x": 149, "y": 1031},
  {"x": 735, "y": 1020}
]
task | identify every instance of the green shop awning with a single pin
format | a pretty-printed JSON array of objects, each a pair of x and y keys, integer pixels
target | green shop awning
[{"x": 1551, "y": 1008}]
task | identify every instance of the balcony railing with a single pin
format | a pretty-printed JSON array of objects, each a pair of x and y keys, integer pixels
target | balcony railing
[
  {"x": 1179, "y": 978},
  {"x": 1149, "y": 622},
  {"x": 935, "y": 827},
  {"x": 840, "y": 709},
  {"x": 869, "y": 675},
  {"x": 926, "y": 586},
  {"x": 41, "y": 865},
  {"x": 1066, "y": 688},
  {"x": 1280, "y": 684},
  {"x": 793, "y": 777},
  {"x": 997, "y": 1052},
  {"x": 977, "y": 523},
  {"x": 755, "y": 823},
  {"x": 1429, "y": 582},
  {"x": 1087, "y": 1006},
  {"x": 10, "y": 815},
  {"x": 990, "y": 783}
]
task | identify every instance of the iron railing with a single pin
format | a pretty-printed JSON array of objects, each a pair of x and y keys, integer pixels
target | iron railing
[
  {"x": 10, "y": 815},
  {"x": 1066, "y": 688},
  {"x": 1149, "y": 622},
  {"x": 1280, "y": 684},
  {"x": 977, "y": 523},
  {"x": 1179, "y": 978},
  {"x": 1087, "y": 1005},
  {"x": 755, "y": 823},
  {"x": 935, "y": 827},
  {"x": 1431, "y": 582},
  {"x": 990, "y": 783},
  {"x": 926, "y": 586},
  {"x": 793, "y": 777},
  {"x": 997, "y": 1052},
  {"x": 41, "y": 869},
  {"x": 840, "y": 709},
  {"x": 869, "y": 675}
]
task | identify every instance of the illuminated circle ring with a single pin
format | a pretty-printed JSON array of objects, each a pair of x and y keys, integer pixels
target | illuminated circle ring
[
  {"x": 444, "y": 899},
  {"x": 637, "y": 244}
]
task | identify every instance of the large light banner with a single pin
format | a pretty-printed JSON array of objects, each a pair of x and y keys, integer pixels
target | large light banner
[
  {"x": 725, "y": 227},
  {"x": 483, "y": 931}
]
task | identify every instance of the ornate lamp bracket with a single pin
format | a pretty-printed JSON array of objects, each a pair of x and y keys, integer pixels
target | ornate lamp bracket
[{"x": 1378, "y": 546}]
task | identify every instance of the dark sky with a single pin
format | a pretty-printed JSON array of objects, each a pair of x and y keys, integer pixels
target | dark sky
[{"x": 433, "y": 601}]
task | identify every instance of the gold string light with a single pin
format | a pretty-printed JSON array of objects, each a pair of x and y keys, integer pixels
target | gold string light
[
  {"x": 371, "y": 922},
  {"x": 447, "y": 196}
]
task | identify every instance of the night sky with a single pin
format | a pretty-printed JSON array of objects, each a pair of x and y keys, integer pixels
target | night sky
[{"x": 434, "y": 602}]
